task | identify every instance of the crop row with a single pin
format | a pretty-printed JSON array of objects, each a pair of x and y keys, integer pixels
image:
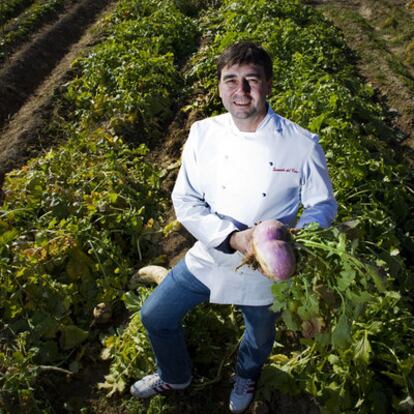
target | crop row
[
  {"x": 12, "y": 8},
  {"x": 19, "y": 29},
  {"x": 76, "y": 221}
]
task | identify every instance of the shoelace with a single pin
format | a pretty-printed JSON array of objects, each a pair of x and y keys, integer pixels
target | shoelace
[{"x": 243, "y": 386}]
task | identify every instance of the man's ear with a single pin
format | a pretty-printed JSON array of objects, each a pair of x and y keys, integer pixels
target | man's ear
[{"x": 218, "y": 88}]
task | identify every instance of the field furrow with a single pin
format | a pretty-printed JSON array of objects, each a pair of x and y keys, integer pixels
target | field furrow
[{"x": 20, "y": 77}]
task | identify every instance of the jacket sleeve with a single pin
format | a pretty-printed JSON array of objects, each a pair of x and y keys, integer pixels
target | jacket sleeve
[
  {"x": 317, "y": 196},
  {"x": 191, "y": 208}
]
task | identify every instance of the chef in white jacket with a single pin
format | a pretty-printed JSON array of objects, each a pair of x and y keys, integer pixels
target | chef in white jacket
[{"x": 239, "y": 168}]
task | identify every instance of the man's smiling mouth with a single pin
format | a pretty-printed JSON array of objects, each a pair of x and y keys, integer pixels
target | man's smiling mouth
[{"x": 241, "y": 103}]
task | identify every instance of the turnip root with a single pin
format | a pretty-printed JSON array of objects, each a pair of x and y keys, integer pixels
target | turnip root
[
  {"x": 273, "y": 254},
  {"x": 276, "y": 259},
  {"x": 270, "y": 230},
  {"x": 149, "y": 275},
  {"x": 102, "y": 313}
]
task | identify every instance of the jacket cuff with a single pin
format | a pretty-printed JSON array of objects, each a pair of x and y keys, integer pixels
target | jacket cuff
[{"x": 224, "y": 246}]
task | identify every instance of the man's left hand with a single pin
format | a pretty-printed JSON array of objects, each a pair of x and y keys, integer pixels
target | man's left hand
[{"x": 242, "y": 241}]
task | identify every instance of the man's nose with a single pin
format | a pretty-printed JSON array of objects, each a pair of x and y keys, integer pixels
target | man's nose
[{"x": 244, "y": 86}]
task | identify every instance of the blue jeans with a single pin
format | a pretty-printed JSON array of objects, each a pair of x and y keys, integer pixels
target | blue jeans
[{"x": 162, "y": 315}]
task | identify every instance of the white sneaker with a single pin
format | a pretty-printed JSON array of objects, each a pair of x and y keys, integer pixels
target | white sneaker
[
  {"x": 153, "y": 384},
  {"x": 242, "y": 394}
]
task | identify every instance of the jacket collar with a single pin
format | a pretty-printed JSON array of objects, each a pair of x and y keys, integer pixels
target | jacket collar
[{"x": 271, "y": 121}]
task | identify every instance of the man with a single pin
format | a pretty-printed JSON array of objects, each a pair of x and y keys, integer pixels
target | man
[{"x": 239, "y": 168}]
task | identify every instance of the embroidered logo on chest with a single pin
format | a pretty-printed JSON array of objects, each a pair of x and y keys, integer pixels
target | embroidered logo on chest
[{"x": 285, "y": 170}]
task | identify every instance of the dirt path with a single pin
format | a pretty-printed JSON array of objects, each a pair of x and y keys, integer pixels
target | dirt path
[{"x": 32, "y": 76}]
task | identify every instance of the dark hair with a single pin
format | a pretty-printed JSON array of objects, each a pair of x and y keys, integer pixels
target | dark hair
[{"x": 244, "y": 53}]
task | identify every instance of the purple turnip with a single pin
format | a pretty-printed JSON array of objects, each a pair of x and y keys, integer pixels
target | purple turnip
[
  {"x": 276, "y": 259},
  {"x": 270, "y": 230},
  {"x": 272, "y": 251}
]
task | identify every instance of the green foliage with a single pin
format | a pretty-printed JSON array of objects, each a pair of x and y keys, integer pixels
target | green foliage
[
  {"x": 128, "y": 349},
  {"x": 211, "y": 332},
  {"x": 17, "y": 374},
  {"x": 78, "y": 215},
  {"x": 348, "y": 315},
  {"x": 130, "y": 80}
]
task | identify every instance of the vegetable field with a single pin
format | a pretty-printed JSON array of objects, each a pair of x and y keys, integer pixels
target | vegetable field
[{"x": 85, "y": 204}]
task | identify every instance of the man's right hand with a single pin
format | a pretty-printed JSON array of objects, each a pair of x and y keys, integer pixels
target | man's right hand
[{"x": 242, "y": 241}]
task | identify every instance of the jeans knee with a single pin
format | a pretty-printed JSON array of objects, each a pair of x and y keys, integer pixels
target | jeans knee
[
  {"x": 156, "y": 319},
  {"x": 148, "y": 317}
]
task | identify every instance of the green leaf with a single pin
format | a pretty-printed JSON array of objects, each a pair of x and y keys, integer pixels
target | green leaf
[
  {"x": 315, "y": 124},
  {"x": 280, "y": 289},
  {"x": 346, "y": 277},
  {"x": 309, "y": 309},
  {"x": 113, "y": 197},
  {"x": 362, "y": 349},
  {"x": 323, "y": 339},
  {"x": 361, "y": 298},
  {"x": 44, "y": 325},
  {"x": 379, "y": 280},
  {"x": 341, "y": 246},
  {"x": 277, "y": 306},
  {"x": 341, "y": 335},
  {"x": 290, "y": 320},
  {"x": 78, "y": 265},
  {"x": 274, "y": 378},
  {"x": 72, "y": 336},
  {"x": 8, "y": 236},
  {"x": 397, "y": 378},
  {"x": 132, "y": 302}
]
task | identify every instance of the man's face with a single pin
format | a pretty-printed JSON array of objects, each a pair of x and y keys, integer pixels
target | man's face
[{"x": 243, "y": 90}]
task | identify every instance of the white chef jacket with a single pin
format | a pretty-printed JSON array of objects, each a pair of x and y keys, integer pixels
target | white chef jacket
[{"x": 229, "y": 180}]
